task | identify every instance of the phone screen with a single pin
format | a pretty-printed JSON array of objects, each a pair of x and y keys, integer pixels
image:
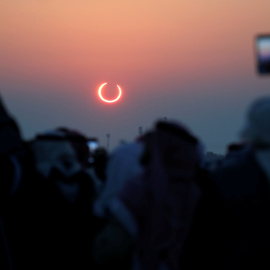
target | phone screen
[
  {"x": 92, "y": 145},
  {"x": 263, "y": 53}
]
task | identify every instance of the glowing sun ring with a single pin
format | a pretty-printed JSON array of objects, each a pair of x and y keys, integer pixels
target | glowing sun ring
[{"x": 106, "y": 100}]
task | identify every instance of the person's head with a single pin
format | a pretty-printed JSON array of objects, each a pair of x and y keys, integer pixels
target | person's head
[
  {"x": 257, "y": 127},
  {"x": 61, "y": 149},
  {"x": 175, "y": 147}
]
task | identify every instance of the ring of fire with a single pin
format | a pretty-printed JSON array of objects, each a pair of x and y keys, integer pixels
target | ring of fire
[{"x": 107, "y": 100}]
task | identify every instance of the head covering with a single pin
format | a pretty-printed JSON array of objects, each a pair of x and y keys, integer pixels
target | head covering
[
  {"x": 123, "y": 164},
  {"x": 62, "y": 149},
  {"x": 257, "y": 127}
]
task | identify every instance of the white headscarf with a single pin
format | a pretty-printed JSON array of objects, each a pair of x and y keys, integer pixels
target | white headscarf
[{"x": 123, "y": 163}]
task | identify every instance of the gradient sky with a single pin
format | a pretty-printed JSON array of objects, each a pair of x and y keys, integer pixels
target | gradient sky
[{"x": 189, "y": 61}]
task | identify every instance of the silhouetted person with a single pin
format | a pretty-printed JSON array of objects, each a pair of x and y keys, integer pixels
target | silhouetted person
[
  {"x": 61, "y": 160},
  {"x": 15, "y": 163},
  {"x": 152, "y": 212},
  {"x": 231, "y": 227},
  {"x": 46, "y": 196}
]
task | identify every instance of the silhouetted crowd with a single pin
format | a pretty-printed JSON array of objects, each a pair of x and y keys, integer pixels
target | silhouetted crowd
[{"x": 150, "y": 204}]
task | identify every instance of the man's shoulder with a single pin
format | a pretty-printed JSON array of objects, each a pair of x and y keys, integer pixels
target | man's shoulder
[{"x": 237, "y": 178}]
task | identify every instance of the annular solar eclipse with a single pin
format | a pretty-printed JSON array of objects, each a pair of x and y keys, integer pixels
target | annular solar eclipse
[{"x": 109, "y": 100}]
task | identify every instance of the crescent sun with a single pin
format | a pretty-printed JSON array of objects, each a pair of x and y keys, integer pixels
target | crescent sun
[{"x": 109, "y": 100}]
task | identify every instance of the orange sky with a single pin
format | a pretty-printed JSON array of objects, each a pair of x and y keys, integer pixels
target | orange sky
[
  {"x": 137, "y": 44},
  {"x": 120, "y": 38}
]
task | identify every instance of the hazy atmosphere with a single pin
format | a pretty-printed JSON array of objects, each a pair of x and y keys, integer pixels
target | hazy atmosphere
[{"x": 189, "y": 61}]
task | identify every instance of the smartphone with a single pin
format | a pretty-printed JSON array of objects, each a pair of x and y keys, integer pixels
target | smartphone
[
  {"x": 93, "y": 144},
  {"x": 262, "y": 51}
]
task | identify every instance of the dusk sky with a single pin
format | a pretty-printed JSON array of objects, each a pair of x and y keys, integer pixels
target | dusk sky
[{"x": 189, "y": 61}]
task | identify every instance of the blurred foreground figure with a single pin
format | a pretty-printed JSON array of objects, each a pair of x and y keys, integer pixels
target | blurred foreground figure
[
  {"x": 150, "y": 217},
  {"x": 114, "y": 244},
  {"x": 12, "y": 155},
  {"x": 68, "y": 191},
  {"x": 231, "y": 227},
  {"x": 123, "y": 163},
  {"x": 46, "y": 199}
]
